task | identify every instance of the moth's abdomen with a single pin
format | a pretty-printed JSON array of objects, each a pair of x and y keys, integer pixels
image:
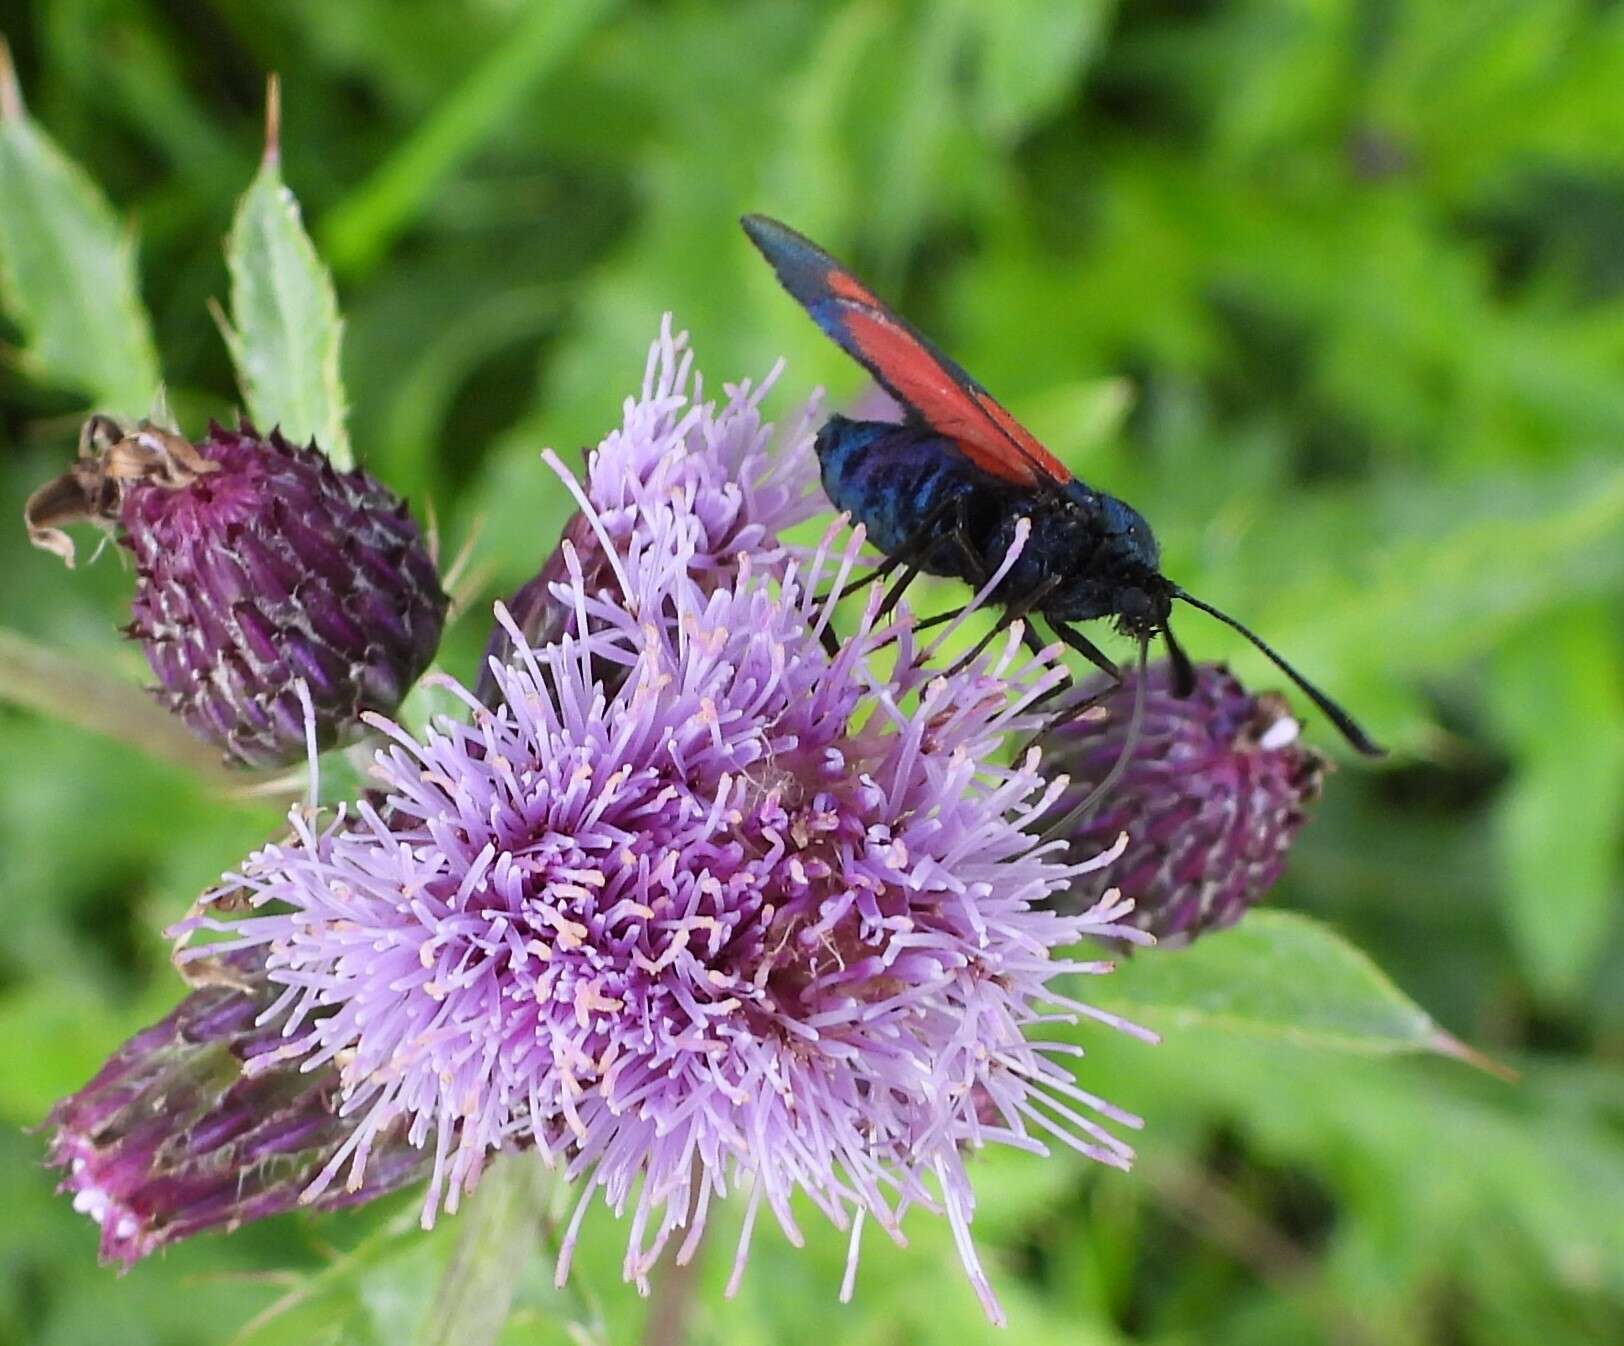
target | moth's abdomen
[{"x": 891, "y": 477}]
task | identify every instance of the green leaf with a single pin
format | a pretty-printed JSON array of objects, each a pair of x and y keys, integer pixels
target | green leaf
[
  {"x": 1559, "y": 693},
  {"x": 67, "y": 269},
  {"x": 285, "y": 330},
  {"x": 1276, "y": 975}
]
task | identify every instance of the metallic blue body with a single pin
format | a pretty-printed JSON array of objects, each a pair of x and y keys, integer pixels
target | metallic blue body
[{"x": 897, "y": 480}]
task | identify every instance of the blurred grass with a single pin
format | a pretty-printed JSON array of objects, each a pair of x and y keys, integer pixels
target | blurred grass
[{"x": 1332, "y": 292}]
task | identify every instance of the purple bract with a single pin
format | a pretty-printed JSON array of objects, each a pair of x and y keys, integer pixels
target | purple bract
[
  {"x": 258, "y": 568},
  {"x": 1213, "y": 794},
  {"x": 174, "y": 1136}
]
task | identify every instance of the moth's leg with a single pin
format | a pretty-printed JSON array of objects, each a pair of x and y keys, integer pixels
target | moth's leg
[
  {"x": 977, "y": 569},
  {"x": 1075, "y": 711},
  {"x": 910, "y": 572},
  {"x": 950, "y": 615},
  {"x": 976, "y": 573},
  {"x": 1086, "y": 647},
  {"x": 954, "y": 531},
  {"x": 1064, "y": 685},
  {"x": 918, "y": 546},
  {"x": 1081, "y": 643},
  {"x": 908, "y": 558},
  {"x": 1029, "y": 635},
  {"x": 945, "y": 523},
  {"x": 1015, "y": 612}
]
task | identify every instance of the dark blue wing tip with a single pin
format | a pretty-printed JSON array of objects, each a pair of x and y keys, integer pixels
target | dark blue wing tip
[
  {"x": 757, "y": 225},
  {"x": 762, "y": 230},
  {"x": 774, "y": 239},
  {"x": 802, "y": 267}
]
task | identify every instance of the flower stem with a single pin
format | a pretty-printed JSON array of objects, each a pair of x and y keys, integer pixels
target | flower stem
[
  {"x": 496, "y": 1238},
  {"x": 673, "y": 1297}
]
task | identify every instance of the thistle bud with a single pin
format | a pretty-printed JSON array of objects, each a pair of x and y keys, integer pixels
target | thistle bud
[
  {"x": 1213, "y": 793},
  {"x": 258, "y": 567},
  {"x": 178, "y": 1133}
]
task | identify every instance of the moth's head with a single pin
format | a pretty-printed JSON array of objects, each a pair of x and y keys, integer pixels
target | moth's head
[{"x": 1143, "y": 609}]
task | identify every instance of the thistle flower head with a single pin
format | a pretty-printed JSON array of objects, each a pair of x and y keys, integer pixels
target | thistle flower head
[
  {"x": 677, "y": 455},
  {"x": 258, "y": 568},
  {"x": 1212, "y": 797},
  {"x": 721, "y": 475},
  {"x": 746, "y": 916}
]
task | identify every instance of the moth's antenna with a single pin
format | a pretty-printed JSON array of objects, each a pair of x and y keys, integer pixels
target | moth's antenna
[
  {"x": 1339, "y": 717},
  {"x": 1130, "y": 743},
  {"x": 1183, "y": 672}
]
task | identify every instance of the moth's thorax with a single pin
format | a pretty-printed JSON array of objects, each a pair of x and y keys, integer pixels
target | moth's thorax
[
  {"x": 1118, "y": 524},
  {"x": 1101, "y": 550}
]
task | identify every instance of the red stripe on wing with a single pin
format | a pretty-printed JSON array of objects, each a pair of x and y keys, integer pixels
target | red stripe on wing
[
  {"x": 988, "y": 435},
  {"x": 1027, "y": 442},
  {"x": 844, "y": 285}
]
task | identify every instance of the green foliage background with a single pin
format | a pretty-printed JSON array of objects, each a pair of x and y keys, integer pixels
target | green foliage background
[{"x": 1332, "y": 289}]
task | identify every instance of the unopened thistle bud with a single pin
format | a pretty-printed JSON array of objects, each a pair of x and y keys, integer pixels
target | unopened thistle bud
[
  {"x": 258, "y": 567},
  {"x": 184, "y": 1129},
  {"x": 1213, "y": 794}
]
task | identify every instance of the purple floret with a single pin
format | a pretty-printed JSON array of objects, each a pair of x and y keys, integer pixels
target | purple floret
[{"x": 259, "y": 568}]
